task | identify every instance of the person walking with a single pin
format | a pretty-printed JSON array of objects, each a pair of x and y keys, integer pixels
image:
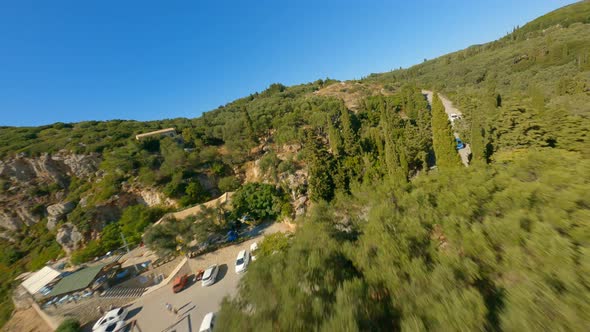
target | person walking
[{"x": 168, "y": 306}]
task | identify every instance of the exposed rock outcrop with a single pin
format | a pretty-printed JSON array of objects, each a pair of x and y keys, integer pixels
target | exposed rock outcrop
[
  {"x": 57, "y": 212},
  {"x": 16, "y": 217},
  {"x": 296, "y": 182},
  {"x": 19, "y": 170},
  {"x": 252, "y": 171},
  {"x": 148, "y": 196},
  {"x": 152, "y": 197},
  {"x": 300, "y": 206},
  {"x": 34, "y": 182},
  {"x": 69, "y": 237},
  {"x": 51, "y": 168},
  {"x": 81, "y": 165}
]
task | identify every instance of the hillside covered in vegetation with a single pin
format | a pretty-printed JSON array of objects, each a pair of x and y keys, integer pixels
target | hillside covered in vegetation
[
  {"x": 399, "y": 235},
  {"x": 499, "y": 246}
]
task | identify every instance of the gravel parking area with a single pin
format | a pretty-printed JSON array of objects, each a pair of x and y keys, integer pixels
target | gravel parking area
[{"x": 195, "y": 301}]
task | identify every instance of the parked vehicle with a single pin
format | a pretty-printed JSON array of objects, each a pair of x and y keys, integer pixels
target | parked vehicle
[
  {"x": 242, "y": 261},
  {"x": 113, "y": 316},
  {"x": 209, "y": 275},
  {"x": 87, "y": 293},
  {"x": 45, "y": 290},
  {"x": 179, "y": 283},
  {"x": 122, "y": 274},
  {"x": 51, "y": 302},
  {"x": 208, "y": 323},
  {"x": 98, "y": 282},
  {"x": 112, "y": 327},
  {"x": 232, "y": 236},
  {"x": 63, "y": 299},
  {"x": 460, "y": 144}
]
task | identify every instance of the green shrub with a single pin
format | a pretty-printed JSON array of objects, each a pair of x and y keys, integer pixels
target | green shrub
[
  {"x": 286, "y": 166},
  {"x": 69, "y": 325},
  {"x": 258, "y": 200},
  {"x": 228, "y": 183},
  {"x": 91, "y": 250}
]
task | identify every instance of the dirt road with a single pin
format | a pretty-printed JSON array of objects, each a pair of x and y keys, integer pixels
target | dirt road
[{"x": 450, "y": 109}]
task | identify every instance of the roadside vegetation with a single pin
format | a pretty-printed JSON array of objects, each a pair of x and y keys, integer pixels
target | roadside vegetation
[
  {"x": 69, "y": 325},
  {"x": 499, "y": 246},
  {"x": 253, "y": 204}
]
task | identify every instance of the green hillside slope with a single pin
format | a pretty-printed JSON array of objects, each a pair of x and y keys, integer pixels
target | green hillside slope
[
  {"x": 500, "y": 246},
  {"x": 399, "y": 235},
  {"x": 528, "y": 89}
]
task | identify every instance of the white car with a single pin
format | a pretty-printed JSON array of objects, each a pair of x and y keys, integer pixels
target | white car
[
  {"x": 207, "y": 323},
  {"x": 242, "y": 261},
  {"x": 112, "y": 327},
  {"x": 209, "y": 275},
  {"x": 111, "y": 317}
]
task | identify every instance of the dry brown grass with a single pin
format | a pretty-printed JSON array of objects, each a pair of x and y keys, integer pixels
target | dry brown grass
[{"x": 352, "y": 92}]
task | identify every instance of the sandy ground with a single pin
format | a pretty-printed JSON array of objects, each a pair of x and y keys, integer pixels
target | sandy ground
[
  {"x": 450, "y": 109},
  {"x": 26, "y": 321}
]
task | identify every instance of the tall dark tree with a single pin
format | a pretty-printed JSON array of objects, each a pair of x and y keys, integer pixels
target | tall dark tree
[
  {"x": 478, "y": 139},
  {"x": 443, "y": 140}
]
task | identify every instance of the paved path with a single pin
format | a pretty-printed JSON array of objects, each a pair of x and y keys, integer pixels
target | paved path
[
  {"x": 194, "y": 301},
  {"x": 450, "y": 109}
]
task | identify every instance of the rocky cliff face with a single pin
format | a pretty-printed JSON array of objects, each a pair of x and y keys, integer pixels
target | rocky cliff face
[
  {"x": 23, "y": 202},
  {"x": 57, "y": 212},
  {"x": 148, "y": 196},
  {"x": 51, "y": 168},
  {"x": 69, "y": 237},
  {"x": 34, "y": 188}
]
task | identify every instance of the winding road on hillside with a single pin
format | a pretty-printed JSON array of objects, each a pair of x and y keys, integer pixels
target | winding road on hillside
[{"x": 450, "y": 109}]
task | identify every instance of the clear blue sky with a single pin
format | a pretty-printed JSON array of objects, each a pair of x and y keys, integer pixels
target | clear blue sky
[{"x": 80, "y": 60}]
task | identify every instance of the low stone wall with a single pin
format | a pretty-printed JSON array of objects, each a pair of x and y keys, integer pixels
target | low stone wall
[
  {"x": 181, "y": 268},
  {"x": 166, "y": 268}
]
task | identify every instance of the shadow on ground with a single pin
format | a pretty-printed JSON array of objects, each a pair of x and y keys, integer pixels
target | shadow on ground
[
  {"x": 132, "y": 313},
  {"x": 222, "y": 272},
  {"x": 190, "y": 281}
]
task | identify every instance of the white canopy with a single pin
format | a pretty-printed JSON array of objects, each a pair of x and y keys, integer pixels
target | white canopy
[{"x": 40, "y": 279}]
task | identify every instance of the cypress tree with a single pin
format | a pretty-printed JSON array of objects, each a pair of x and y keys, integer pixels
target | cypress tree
[
  {"x": 351, "y": 142},
  {"x": 443, "y": 140},
  {"x": 478, "y": 146},
  {"x": 335, "y": 139}
]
